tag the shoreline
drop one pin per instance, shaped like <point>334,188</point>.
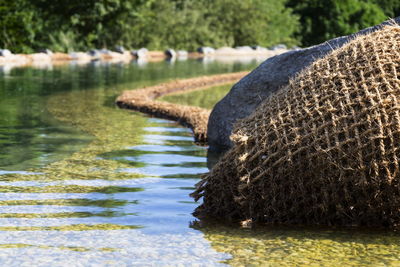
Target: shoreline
<point>57,58</point>
<point>196,118</point>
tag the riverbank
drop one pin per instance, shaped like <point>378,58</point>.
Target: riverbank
<point>122,56</point>
<point>79,209</point>
<point>196,118</point>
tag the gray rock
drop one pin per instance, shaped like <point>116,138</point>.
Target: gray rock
<point>206,50</point>
<point>278,46</point>
<point>120,49</point>
<point>170,53</point>
<point>271,75</point>
<point>140,54</point>
<point>5,53</point>
<point>94,53</point>
<point>257,47</point>
<point>104,51</point>
<point>260,49</point>
<point>46,51</point>
<point>80,56</point>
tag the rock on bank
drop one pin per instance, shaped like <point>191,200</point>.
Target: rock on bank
<point>322,151</point>
<point>270,76</point>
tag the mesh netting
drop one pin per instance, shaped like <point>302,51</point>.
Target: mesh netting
<point>324,150</point>
<point>144,100</point>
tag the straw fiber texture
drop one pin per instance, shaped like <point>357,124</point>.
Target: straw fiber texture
<point>324,150</point>
<point>196,118</point>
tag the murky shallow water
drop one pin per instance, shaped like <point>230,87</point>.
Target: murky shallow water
<point>83,183</point>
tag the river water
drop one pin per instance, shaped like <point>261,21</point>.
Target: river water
<point>83,183</point>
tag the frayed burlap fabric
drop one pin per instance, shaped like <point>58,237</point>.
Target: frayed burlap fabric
<point>324,150</point>
<point>196,118</point>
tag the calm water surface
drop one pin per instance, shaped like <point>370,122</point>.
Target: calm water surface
<point>83,183</point>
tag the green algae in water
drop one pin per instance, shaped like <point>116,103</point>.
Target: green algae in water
<point>93,112</point>
<point>71,227</point>
<point>293,246</point>
<point>77,214</point>
<point>72,248</point>
<point>106,133</point>
<point>111,128</point>
<point>271,247</point>
<point>30,137</point>
<point>69,189</point>
<point>100,129</point>
<point>205,98</point>
<point>104,203</point>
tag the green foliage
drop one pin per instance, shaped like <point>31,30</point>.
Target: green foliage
<point>64,41</point>
<point>322,20</point>
<point>67,25</point>
<point>248,22</point>
<point>391,8</point>
<point>18,25</point>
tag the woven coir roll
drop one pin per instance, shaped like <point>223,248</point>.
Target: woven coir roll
<point>324,150</point>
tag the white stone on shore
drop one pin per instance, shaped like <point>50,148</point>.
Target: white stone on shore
<point>80,57</point>
<point>206,50</point>
<point>245,49</point>
<point>94,53</point>
<point>40,57</point>
<point>120,49</point>
<point>5,53</point>
<point>140,53</point>
<point>170,53</point>
<point>279,47</point>
<point>46,51</point>
<point>182,54</point>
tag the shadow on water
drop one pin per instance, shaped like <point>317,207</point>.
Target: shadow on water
<point>84,182</point>
<point>205,99</point>
<point>31,136</point>
<point>296,246</point>
<point>78,175</point>
<point>290,246</point>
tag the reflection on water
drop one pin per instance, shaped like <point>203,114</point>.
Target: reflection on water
<point>201,98</point>
<point>83,183</point>
<point>140,221</point>
<point>31,136</point>
<point>78,175</point>
<point>291,246</point>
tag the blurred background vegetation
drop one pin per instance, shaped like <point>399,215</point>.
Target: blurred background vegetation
<point>70,25</point>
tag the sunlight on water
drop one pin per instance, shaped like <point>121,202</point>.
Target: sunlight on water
<point>83,183</point>
<point>91,192</point>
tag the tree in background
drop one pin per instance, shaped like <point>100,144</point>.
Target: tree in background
<point>213,23</point>
<point>251,22</point>
<point>67,25</point>
<point>70,25</point>
<point>391,8</point>
<point>19,24</point>
<point>322,20</point>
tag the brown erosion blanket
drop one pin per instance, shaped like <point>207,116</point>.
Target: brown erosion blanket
<point>324,150</point>
<point>196,118</point>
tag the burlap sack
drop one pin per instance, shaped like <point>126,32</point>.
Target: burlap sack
<point>324,150</point>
